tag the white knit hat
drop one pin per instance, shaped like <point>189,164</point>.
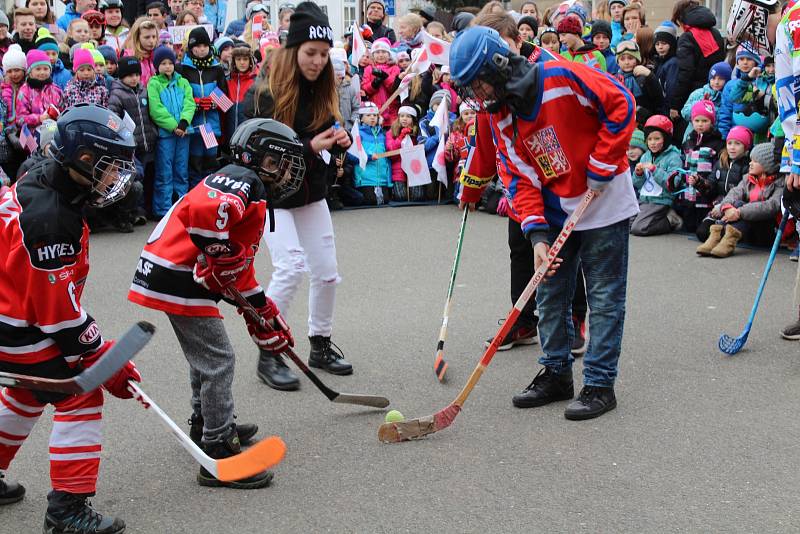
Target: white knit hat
<point>368,108</point>
<point>465,106</point>
<point>408,110</point>
<point>380,44</point>
<point>14,58</point>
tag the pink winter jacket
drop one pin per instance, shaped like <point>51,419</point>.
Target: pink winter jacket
<point>31,103</point>
<point>148,71</point>
<point>383,92</point>
<point>393,143</point>
<point>9,96</point>
<point>453,97</point>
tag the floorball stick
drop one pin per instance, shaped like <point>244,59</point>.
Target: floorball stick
<point>417,428</point>
<point>439,364</point>
<point>92,378</point>
<point>731,345</point>
<point>341,398</point>
<point>261,456</point>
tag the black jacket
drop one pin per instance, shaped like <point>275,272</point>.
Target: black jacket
<point>379,30</point>
<point>723,180</point>
<point>692,66</point>
<point>318,173</point>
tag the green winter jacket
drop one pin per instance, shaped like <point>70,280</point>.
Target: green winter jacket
<point>655,191</point>
<point>171,102</point>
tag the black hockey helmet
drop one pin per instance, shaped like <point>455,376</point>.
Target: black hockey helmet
<point>273,151</point>
<point>89,129</point>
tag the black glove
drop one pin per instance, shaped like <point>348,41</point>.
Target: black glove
<point>378,73</point>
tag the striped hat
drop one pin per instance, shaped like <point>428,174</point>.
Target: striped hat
<point>368,108</point>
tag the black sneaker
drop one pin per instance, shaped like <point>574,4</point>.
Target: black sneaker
<point>792,331</point>
<point>10,492</point>
<point>225,448</point>
<point>246,431</point>
<point>593,402</point>
<point>545,388</point>
<point>328,357</point>
<point>579,341</point>
<point>68,513</point>
<point>274,372</point>
<point>520,334</point>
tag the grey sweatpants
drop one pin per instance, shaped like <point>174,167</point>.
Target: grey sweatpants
<point>211,360</point>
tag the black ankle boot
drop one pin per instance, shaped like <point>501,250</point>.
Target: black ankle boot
<point>593,402</point>
<point>324,356</point>
<point>226,447</point>
<point>246,431</point>
<point>274,372</point>
<point>10,492</point>
<point>545,388</point>
<point>69,513</point>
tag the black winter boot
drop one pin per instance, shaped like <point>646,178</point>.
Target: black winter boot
<point>10,492</point>
<point>226,447</point>
<point>274,372</point>
<point>593,402</point>
<point>246,431</point>
<point>69,513</point>
<point>545,388</point>
<point>324,356</point>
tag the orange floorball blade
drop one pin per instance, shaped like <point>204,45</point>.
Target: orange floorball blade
<point>261,456</point>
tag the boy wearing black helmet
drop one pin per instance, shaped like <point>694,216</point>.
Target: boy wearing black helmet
<point>205,244</point>
<point>44,329</point>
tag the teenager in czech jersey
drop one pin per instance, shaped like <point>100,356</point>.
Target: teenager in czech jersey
<point>222,220</point>
<point>44,329</point>
<point>531,113</point>
<point>301,92</point>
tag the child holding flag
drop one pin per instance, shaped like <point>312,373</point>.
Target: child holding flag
<point>375,179</point>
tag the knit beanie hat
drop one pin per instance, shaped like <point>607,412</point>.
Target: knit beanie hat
<point>161,53</point>
<point>198,36</point>
<point>368,108</point>
<point>530,21</point>
<point>741,134</point>
<point>222,43</point>
<point>379,2</point>
<point>409,110</point>
<point>128,65</point>
<point>37,58</point>
<point>14,58</point>
<point>570,24</point>
<point>546,30</point>
<point>764,154</point>
<point>4,20</point>
<point>667,32</point>
<point>338,67</point>
<point>745,51</point>
<point>630,48</point>
<point>438,96</point>
<point>612,2</point>
<point>601,27</point>
<point>45,41</point>
<point>637,140</point>
<point>704,108</point>
<point>721,69</point>
<point>98,57</point>
<point>82,58</point>
<point>308,23</point>
<point>109,54</point>
<point>381,44</point>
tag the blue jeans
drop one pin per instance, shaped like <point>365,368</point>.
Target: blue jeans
<point>172,172</point>
<point>603,254</point>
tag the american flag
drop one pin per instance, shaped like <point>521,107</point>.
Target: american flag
<point>27,139</point>
<point>221,99</point>
<point>209,139</point>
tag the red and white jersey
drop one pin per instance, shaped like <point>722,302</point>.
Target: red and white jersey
<point>228,206</point>
<point>44,262</point>
<point>577,133</point>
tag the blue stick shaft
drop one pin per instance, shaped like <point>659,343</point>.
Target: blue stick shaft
<point>771,260</point>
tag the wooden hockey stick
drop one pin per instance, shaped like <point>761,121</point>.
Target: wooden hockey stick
<point>439,364</point>
<point>333,396</point>
<point>417,428</point>
<point>92,378</point>
<point>261,456</point>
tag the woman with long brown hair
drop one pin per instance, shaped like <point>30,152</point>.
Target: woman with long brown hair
<point>300,91</point>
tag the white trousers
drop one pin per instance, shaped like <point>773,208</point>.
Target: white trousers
<point>303,242</point>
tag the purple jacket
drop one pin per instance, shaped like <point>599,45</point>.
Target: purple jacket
<point>31,103</point>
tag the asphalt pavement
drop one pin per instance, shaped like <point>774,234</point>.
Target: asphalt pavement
<point>700,442</point>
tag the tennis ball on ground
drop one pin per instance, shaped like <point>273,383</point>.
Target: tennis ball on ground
<point>394,416</point>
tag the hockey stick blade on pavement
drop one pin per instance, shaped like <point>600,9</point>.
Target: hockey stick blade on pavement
<point>260,457</point>
<point>731,345</point>
<point>439,363</point>
<point>92,378</point>
<point>417,428</point>
<point>372,401</point>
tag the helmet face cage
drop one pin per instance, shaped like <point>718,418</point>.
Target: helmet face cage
<point>474,92</point>
<point>284,176</point>
<point>747,23</point>
<point>111,180</point>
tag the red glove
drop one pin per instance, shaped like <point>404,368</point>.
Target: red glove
<point>275,340</point>
<point>217,273</point>
<point>405,131</point>
<point>117,385</point>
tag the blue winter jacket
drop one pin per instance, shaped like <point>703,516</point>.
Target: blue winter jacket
<point>61,75</point>
<point>203,82</point>
<point>236,27</point>
<point>735,111</point>
<point>69,15</point>
<point>429,135</point>
<point>378,173</point>
<point>617,29</point>
<point>611,60</point>
<point>216,13</point>
<point>667,74</point>
<point>705,92</point>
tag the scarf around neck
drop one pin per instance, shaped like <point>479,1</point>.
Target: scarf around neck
<point>705,40</point>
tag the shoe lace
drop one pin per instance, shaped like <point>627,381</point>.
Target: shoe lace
<point>330,350</point>
<point>543,372</point>
<point>81,516</point>
<point>588,392</point>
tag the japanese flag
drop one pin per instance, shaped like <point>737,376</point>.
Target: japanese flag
<point>357,147</point>
<point>420,61</point>
<point>414,164</point>
<point>439,162</point>
<point>441,120</point>
<point>438,50</point>
<point>405,83</point>
<point>359,47</point>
